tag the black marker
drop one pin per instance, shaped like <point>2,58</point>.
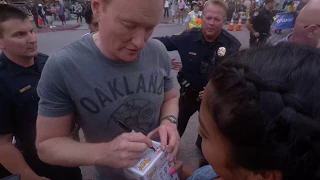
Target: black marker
<point>129,130</point>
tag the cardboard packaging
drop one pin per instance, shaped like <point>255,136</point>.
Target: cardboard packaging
<point>152,166</point>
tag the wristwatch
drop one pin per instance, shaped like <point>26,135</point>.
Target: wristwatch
<point>170,118</point>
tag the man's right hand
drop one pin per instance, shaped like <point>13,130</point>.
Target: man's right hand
<point>124,151</point>
<point>256,34</point>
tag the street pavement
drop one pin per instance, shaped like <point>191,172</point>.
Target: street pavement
<point>51,42</point>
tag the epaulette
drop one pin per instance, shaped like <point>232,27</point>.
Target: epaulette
<point>230,37</point>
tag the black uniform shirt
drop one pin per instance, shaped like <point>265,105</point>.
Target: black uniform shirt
<point>197,55</point>
<point>262,20</point>
<point>19,100</point>
<point>47,10</point>
<point>33,9</point>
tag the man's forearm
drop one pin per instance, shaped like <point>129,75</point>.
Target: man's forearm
<point>12,159</point>
<point>250,28</point>
<point>170,107</point>
<point>65,151</point>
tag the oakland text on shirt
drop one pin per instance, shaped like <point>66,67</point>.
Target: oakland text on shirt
<point>120,88</point>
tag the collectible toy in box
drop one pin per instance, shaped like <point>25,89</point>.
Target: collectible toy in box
<point>152,166</point>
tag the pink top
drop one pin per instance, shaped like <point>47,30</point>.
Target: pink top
<point>181,4</point>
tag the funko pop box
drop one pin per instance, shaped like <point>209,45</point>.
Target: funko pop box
<point>152,166</point>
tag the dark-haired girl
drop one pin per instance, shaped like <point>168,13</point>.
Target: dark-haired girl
<point>259,117</point>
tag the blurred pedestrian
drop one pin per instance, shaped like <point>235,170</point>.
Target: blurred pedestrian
<point>78,10</point>
<point>166,9</point>
<point>181,10</point>
<point>42,15</point>
<point>60,12</point>
<point>173,8</point>
<point>33,9</point>
<point>48,13</point>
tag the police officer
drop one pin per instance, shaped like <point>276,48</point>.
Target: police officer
<point>193,19</point>
<point>200,51</point>
<point>20,70</point>
<point>260,23</point>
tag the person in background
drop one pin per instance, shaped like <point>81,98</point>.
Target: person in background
<point>78,10</point>
<point>260,23</point>
<point>60,12</point>
<point>181,10</point>
<point>289,8</point>
<point>193,19</point>
<point>20,70</point>
<point>198,49</point>
<point>306,29</point>
<point>48,13</point>
<point>173,8</point>
<point>260,116</point>
<point>41,13</point>
<point>166,8</point>
<point>33,9</point>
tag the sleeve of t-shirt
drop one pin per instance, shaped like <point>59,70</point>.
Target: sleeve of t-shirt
<point>188,18</point>
<point>55,100</point>
<point>164,57</point>
<point>168,80</point>
<point>6,122</point>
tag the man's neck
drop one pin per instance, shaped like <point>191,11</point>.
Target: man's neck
<point>211,38</point>
<point>21,61</point>
<point>97,41</point>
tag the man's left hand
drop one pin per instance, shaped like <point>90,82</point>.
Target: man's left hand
<point>169,138</point>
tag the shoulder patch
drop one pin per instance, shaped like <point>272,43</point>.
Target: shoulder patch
<point>256,14</point>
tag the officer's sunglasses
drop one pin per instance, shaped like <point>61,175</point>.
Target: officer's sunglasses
<point>311,25</point>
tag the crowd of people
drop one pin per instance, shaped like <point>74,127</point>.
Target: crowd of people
<point>259,113</point>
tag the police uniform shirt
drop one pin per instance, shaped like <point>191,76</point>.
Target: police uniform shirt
<point>197,55</point>
<point>19,100</point>
<point>262,20</point>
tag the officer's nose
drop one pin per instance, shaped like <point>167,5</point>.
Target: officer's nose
<point>139,39</point>
<point>32,37</point>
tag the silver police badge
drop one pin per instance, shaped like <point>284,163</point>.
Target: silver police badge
<point>221,51</point>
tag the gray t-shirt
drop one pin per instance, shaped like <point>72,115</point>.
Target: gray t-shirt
<point>79,79</point>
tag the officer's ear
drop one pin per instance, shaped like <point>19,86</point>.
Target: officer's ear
<point>311,31</point>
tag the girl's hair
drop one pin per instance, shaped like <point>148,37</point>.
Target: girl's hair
<point>266,102</point>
